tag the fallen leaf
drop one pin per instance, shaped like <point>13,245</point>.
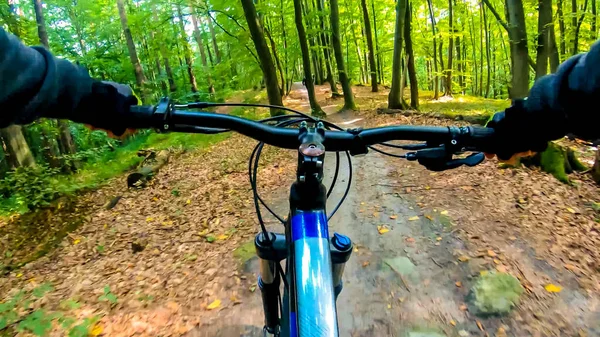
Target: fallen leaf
<point>362,203</point>
<point>234,299</point>
<point>19,275</point>
<point>480,326</point>
<point>483,273</point>
<point>366,263</point>
<point>491,253</point>
<point>458,284</point>
<point>501,268</point>
<point>393,217</point>
<point>429,217</point>
<point>375,214</point>
<point>173,306</point>
<point>149,219</point>
<point>382,229</point>
<point>501,332</point>
<point>389,306</point>
<point>444,212</point>
<point>427,188</point>
<point>96,330</point>
<point>552,288</point>
<point>214,305</point>
<point>571,210</point>
<point>76,241</point>
<point>463,307</point>
<point>439,238</point>
<point>513,238</point>
<point>411,240</point>
<point>453,323</point>
<point>155,199</point>
<point>252,289</point>
<point>413,218</point>
<point>222,237</point>
<point>188,201</point>
<point>569,267</point>
<point>463,258</point>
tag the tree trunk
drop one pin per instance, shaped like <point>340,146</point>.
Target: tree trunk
<point>481,38</point>
<point>554,56</point>
<point>487,51</point>
<point>213,35</point>
<point>519,54</point>
<point>543,39</point>
<point>448,91</point>
<point>410,64</point>
<point>577,20</point>
<point>474,56</point>
<point>310,86</point>
<point>561,29</point>
<point>372,63</point>
<point>459,62</point>
<point>326,51</point>
<point>596,168</point>
<point>264,56</point>
<point>16,149</point>
<point>339,57</point>
<point>379,61</point>
<point>65,139</point>
<point>395,96</point>
<point>187,55</point>
<point>594,21</point>
<point>275,55</point>
<point>363,75</point>
<point>435,69</point>
<point>41,25</point>
<point>199,42</point>
<point>441,56</point>
<point>135,61</point>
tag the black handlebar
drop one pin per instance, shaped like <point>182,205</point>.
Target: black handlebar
<point>356,141</point>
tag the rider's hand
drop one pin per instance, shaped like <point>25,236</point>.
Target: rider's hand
<point>106,107</point>
<point>517,133</point>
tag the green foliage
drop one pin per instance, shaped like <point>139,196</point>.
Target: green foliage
<point>38,322</point>
<point>16,314</point>
<point>28,188</point>
<point>108,296</point>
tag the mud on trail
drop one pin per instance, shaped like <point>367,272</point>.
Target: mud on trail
<point>422,239</point>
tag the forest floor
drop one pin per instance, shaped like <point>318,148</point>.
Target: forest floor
<point>176,259</point>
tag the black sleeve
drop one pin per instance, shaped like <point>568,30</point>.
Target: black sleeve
<point>570,96</point>
<point>34,84</point>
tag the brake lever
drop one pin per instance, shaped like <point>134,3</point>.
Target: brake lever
<point>438,159</point>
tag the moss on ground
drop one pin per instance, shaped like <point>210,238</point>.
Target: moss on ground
<point>496,293</point>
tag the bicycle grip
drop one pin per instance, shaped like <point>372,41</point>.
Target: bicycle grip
<point>481,137</point>
<point>142,117</point>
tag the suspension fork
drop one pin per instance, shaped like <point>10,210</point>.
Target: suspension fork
<point>270,252</point>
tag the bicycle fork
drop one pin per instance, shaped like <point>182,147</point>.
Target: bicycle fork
<point>271,252</point>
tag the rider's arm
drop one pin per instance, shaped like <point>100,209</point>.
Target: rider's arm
<point>570,96</point>
<point>35,84</point>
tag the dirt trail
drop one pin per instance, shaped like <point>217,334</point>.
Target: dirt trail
<point>196,223</point>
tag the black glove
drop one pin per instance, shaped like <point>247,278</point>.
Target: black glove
<point>106,107</point>
<point>519,130</point>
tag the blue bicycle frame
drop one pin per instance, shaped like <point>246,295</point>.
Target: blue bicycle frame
<point>314,261</point>
<point>312,309</point>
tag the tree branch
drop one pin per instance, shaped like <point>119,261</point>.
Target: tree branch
<point>227,15</point>
<point>531,63</point>
<point>233,36</point>
<point>580,20</point>
<point>496,15</point>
